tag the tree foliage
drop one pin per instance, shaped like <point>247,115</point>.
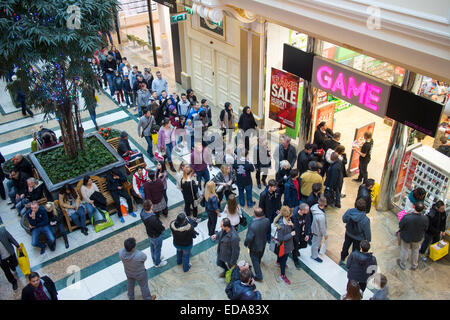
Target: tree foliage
<point>51,59</point>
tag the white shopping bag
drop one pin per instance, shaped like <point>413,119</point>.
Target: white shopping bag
<point>219,220</point>
<point>323,247</point>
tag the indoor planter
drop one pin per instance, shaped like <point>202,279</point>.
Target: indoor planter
<point>51,164</point>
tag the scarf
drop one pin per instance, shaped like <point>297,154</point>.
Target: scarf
<point>295,182</point>
<point>41,292</point>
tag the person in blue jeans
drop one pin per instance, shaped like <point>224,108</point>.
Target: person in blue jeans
<point>70,201</point>
<point>183,233</point>
<point>38,221</point>
<point>109,67</point>
<point>154,229</point>
<point>200,160</point>
<point>244,182</point>
<point>166,140</point>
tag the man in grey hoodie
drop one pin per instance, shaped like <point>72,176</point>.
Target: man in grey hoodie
<point>145,123</point>
<point>143,98</point>
<point>133,263</point>
<point>357,228</point>
<point>319,227</point>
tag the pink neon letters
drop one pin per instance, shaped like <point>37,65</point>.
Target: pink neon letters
<point>367,93</point>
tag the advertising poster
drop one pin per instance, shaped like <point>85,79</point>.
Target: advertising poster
<point>325,112</point>
<point>283,97</point>
<point>293,133</point>
<point>404,168</point>
<point>358,142</point>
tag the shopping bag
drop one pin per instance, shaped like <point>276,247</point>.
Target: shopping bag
<point>228,274</point>
<point>22,259</point>
<point>438,250</point>
<point>274,244</point>
<point>100,226</point>
<point>375,192</point>
<point>323,247</point>
<point>281,249</point>
<point>97,217</point>
<point>219,220</point>
<point>123,206</point>
<point>155,138</point>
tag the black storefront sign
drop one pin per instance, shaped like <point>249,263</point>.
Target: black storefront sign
<point>405,107</point>
<point>168,3</point>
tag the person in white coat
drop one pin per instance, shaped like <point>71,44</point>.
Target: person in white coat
<point>319,227</point>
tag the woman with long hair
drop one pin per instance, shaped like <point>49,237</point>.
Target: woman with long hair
<point>285,233</point>
<point>70,201</point>
<point>189,188</point>
<point>166,140</point>
<point>211,206</point>
<point>320,135</point>
<point>226,121</point>
<point>224,181</point>
<point>154,191</point>
<point>180,173</point>
<point>233,211</point>
<point>353,291</point>
<point>56,220</point>
<point>246,122</point>
<point>87,189</point>
<point>364,157</point>
<point>161,173</point>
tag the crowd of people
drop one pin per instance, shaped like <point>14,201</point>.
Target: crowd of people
<point>290,214</point>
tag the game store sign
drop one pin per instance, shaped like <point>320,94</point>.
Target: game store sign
<point>363,91</point>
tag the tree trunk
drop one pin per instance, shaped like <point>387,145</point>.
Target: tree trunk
<point>68,131</point>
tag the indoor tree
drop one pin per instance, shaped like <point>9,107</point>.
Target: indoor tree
<point>47,45</point>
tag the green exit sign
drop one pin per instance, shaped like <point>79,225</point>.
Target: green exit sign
<point>178,17</point>
<point>188,10</point>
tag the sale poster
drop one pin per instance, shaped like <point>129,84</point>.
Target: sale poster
<point>404,168</point>
<point>358,142</point>
<point>325,113</point>
<point>283,97</point>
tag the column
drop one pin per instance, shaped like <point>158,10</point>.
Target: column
<point>166,43</point>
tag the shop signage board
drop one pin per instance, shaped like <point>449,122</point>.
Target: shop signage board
<point>168,3</point>
<point>359,141</point>
<point>283,97</point>
<point>325,112</point>
<point>293,133</point>
<point>178,17</point>
<point>364,91</point>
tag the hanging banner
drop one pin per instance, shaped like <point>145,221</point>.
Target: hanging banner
<point>358,142</point>
<point>293,133</point>
<point>325,112</point>
<point>283,97</point>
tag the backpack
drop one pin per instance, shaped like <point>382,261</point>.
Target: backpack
<point>222,115</point>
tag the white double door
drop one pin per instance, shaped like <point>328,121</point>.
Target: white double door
<point>215,76</point>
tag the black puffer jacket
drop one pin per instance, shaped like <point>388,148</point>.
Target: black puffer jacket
<point>366,194</point>
<point>436,221</point>
<point>359,265</point>
<point>183,235</point>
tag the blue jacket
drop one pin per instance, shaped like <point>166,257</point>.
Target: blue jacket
<point>357,225</point>
<point>118,82</point>
<point>244,292</point>
<point>192,112</point>
<point>212,204</point>
<point>291,196</point>
<point>41,219</point>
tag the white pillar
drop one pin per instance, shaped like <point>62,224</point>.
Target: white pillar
<point>166,35</point>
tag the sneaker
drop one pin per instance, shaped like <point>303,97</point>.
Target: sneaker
<point>42,250</point>
<point>122,220</point>
<point>317,259</point>
<point>14,285</point>
<point>133,214</point>
<point>153,297</point>
<point>400,264</point>
<point>161,264</point>
<point>424,258</point>
<point>285,279</point>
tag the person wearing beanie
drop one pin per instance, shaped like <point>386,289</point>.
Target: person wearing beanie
<point>183,233</point>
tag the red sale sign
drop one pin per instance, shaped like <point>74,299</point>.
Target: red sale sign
<point>283,97</point>
<point>326,113</point>
<point>358,142</point>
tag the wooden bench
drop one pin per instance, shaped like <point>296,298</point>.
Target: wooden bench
<point>70,225</point>
<point>132,165</point>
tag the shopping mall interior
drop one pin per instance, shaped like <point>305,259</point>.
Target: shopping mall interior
<point>234,63</point>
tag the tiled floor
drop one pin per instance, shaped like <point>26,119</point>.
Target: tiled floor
<point>101,273</point>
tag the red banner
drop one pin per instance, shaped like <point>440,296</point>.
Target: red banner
<point>283,97</point>
<point>325,113</point>
<point>359,141</point>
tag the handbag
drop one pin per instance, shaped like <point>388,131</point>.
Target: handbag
<point>142,133</point>
<point>196,201</point>
<point>99,199</point>
<point>22,259</point>
<point>228,274</point>
<point>108,223</point>
<point>274,243</point>
<point>97,217</point>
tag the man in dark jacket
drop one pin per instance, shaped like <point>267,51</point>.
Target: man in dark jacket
<point>244,288</point>
<point>333,182</point>
<point>19,183</point>
<point>2,177</point>
<point>39,223</point>
<point>244,181</point>
<point>21,164</point>
<point>34,192</point>
<point>315,194</point>
<point>285,151</point>
<point>109,67</point>
<point>304,157</point>
<point>412,230</point>
<point>301,218</point>
<point>292,190</point>
<point>333,142</point>
<point>39,288</point>
<point>8,259</point>
<point>124,149</point>
<point>154,229</point>
<point>365,192</point>
<point>236,275</point>
<point>183,233</point>
<point>114,182</point>
<point>437,220</point>
<point>357,228</point>
<point>361,265</point>
<point>255,240</point>
<point>270,202</point>
<point>228,247</point>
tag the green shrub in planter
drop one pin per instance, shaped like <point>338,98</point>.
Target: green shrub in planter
<point>59,168</point>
